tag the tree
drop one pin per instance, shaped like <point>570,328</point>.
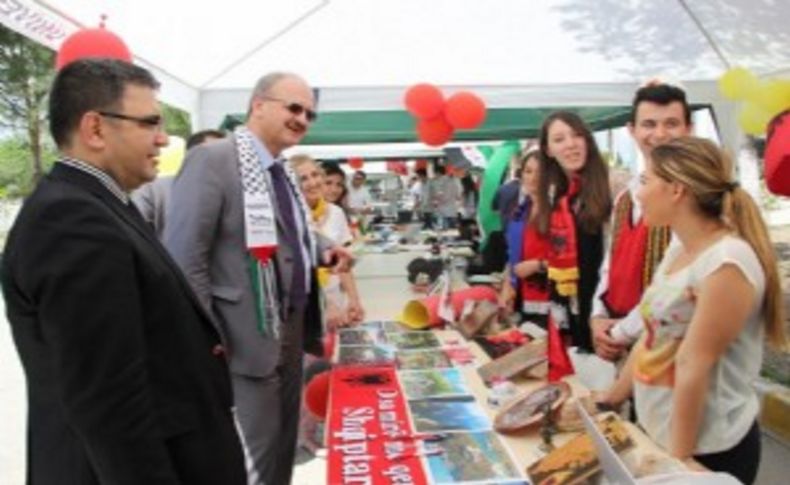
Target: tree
<point>16,167</point>
<point>176,121</point>
<point>26,72</point>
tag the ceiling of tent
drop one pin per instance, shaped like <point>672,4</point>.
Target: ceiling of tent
<point>208,55</point>
<point>458,42</point>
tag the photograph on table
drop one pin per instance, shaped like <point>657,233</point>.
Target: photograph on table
<point>448,414</point>
<point>514,363</point>
<point>422,359</point>
<point>361,336</point>
<point>460,356</point>
<point>477,457</point>
<point>428,383</point>
<point>414,340</point>
<point>365,355</point>
<point>385,325</point>
<point>577,460</point>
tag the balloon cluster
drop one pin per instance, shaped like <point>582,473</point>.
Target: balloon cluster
<point>438,119</point>
<point>762,99</point>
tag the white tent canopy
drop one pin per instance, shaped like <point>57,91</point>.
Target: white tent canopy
<point>363,53</point>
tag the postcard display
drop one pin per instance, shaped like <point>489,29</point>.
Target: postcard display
<point>401,412</point>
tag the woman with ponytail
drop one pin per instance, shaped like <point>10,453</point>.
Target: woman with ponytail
<point>714,298</point>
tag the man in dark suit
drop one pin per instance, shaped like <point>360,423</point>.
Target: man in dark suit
<point>232,204</point>
<point>126,379</point>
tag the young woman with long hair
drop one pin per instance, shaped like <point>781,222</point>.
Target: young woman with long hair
<point>713,299</point>
<point>525,287</point>
<point>574,203</point>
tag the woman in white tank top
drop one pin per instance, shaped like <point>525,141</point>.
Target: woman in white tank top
<point>714,298</point>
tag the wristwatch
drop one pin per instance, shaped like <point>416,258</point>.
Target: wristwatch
<point>542,266</point>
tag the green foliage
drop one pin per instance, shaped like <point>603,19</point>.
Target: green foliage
<point>176,121</point>
<point>16,166</point>
<point>26,72</point>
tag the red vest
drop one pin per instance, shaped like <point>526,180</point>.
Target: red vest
<point>626,264</point>
<point>636,252</point>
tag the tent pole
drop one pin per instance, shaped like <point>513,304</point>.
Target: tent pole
<point>267,41</point>
<point>705,33</point>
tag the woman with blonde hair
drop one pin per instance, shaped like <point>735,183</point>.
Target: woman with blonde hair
<point>341,296</point>
<point>713,299</point>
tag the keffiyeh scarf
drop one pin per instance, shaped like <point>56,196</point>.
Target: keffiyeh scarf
<point>260,232</point>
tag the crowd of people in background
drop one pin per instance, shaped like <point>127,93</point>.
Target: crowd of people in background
<point>219,281</point>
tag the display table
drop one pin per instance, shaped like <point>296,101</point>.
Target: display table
<point>372,458</point>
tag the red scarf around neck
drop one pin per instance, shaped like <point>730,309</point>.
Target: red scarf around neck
<point>563,259</point>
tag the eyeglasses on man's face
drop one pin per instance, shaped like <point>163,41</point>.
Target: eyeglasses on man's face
<point>295,108</point>
<point>151,121</point>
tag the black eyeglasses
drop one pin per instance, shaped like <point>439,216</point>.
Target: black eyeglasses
<point>295,108</point>
<point>153,121</point>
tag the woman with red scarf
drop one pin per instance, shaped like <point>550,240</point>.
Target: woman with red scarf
<point>574,203</point>
<point>525,286</point>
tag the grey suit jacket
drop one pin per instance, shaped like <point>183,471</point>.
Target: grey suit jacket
<point>205,235</point>
<point>152,199</point>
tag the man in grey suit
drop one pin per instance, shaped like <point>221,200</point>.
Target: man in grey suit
<point>265,301</point>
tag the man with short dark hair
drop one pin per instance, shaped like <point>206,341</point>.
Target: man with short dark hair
<point>237,227</point>
<point>203,136</point>
<point>125,382</point>
<point>659,114</point>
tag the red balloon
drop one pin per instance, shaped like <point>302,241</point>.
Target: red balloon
<point>92,43</point>
<point>434,132</point>
<point>397,167</point>
<point>356,163</point>
<point>316,395</point>
<point>465,110</point>
<point>425,101</point>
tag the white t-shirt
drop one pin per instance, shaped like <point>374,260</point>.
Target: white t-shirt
<point>415,191</point>
<point>667,308</point>
<point>334,225</point>
<point>358,198</point>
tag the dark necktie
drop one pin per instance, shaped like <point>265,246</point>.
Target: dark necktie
<point>290,232</point>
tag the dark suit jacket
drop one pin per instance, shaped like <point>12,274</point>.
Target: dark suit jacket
<point>123,385</point>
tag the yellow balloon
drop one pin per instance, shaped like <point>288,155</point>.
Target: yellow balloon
<point>737,83</point>
<point>772,95</point>
<point>753,119</point>
<point>171,157</point>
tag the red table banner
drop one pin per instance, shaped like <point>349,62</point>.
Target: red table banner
<point>369,436</point>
